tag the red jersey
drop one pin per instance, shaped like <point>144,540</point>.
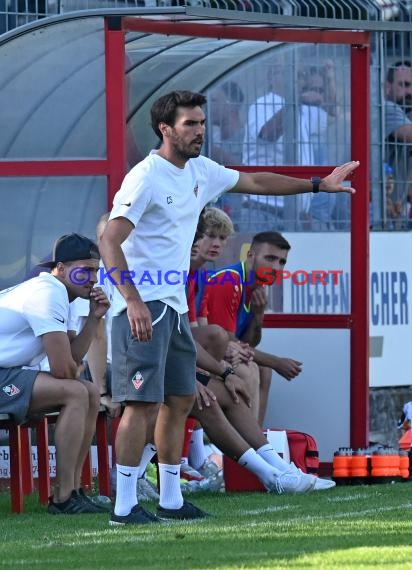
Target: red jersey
<point>222,301</point>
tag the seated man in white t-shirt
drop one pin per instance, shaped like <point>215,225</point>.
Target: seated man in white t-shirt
<point>35,322</point>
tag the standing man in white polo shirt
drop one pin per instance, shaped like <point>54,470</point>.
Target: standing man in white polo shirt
<point>146,248</point>
<point>34,323</point>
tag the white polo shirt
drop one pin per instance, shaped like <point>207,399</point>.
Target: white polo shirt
<point>163,202</point>
<point>27,311</point>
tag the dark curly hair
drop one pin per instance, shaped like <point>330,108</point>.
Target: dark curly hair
<point>164,110</point>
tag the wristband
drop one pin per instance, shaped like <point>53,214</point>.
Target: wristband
<point>316,180</point>
<point>225,374</point>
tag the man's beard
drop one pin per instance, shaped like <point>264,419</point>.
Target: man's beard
<point>185,151</point>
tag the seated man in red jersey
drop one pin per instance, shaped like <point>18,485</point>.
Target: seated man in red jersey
<point>235,299</point>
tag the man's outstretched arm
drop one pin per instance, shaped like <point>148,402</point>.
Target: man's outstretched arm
<point>268,183</point>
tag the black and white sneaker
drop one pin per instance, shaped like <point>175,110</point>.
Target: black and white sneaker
<point>89,501</point>
<point>186,512</point>
<point>75,505</point>
<point>138,515</point>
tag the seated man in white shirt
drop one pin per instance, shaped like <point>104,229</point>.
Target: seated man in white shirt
<point>35,323</point>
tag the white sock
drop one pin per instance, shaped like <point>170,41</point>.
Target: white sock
<point>126,494</point>
<point>149,451</point>
<point>270,456</point>
<point>197,453</point>
<point>184,461</point>
<point>169,480</point>
<point>253,462</point>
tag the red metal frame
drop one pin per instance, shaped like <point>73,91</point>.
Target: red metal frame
<point>115,109</point>
<point>209,29</point>
<point>302,321</point>
<point>358,320</point>
<point>114,167</point>
<point>359,345</point>
<point>54,168</point>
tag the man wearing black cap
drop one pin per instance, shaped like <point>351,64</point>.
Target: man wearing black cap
<point>34,323</point>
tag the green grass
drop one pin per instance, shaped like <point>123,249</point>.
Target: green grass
<point>347,527</point>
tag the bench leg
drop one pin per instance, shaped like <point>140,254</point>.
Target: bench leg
<point>115,425</point>
<point>43,461</point>
<point>27,465</point>
<point>86,478</point>
<point>16,469</point>
<point>102,442</point>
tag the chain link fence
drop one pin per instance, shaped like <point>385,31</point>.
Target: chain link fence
<point>15,13</point>
<point>308,86</point>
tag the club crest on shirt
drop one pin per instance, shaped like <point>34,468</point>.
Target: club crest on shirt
<point>196,189</point>
<point>137,380</point>
<point>11,390</point>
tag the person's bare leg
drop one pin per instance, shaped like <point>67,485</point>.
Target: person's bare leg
<point>239,416</point>
<point>90,428</point>
<point>132,432</point>
<point>213,338</point>
<point>136,423</point>
<point>169,437</point>
<point>259,457</point>
<point>250,374</point>
<point>170,428</point>
<point>71,398</point>
<point>265,375</point>
<point>220,431</point>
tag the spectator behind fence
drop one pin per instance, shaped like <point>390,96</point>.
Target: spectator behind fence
<point>393,207</point>
<point>279,133</point>
<point>35,323</point>
<point>225,138</point>
<point>398,129</point>
<point>151,227</point>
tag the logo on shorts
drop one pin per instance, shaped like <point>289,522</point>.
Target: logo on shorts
<point>196,189</point>
<point>11,390</point>
<point>137,380</point>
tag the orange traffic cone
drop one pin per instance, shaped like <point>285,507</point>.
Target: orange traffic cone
<point>405,441</point>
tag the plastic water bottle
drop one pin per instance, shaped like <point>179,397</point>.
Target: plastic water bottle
<point>341,471</point>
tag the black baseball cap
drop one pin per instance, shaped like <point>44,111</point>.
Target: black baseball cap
<point>72,247</point>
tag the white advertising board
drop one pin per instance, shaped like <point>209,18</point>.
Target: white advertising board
<point>5,461</point>
<point>318,400</point>
<point>329,293</point>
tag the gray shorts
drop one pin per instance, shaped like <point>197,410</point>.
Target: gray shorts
<point>16,386</point>
<point>149,371</point>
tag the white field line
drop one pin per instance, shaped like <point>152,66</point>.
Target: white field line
<point>353,497</point>
<point>331,516</point>
<point>268,510</point>
<point>354,513</point>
